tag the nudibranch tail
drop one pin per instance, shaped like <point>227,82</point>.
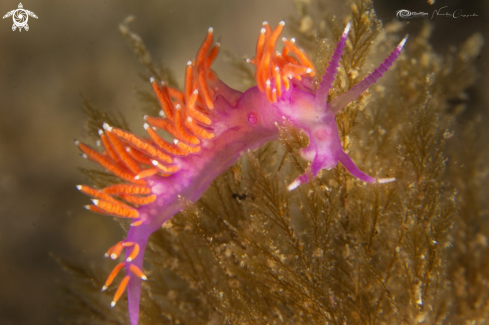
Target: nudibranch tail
<point>137,161</point>
<point>211,125</point>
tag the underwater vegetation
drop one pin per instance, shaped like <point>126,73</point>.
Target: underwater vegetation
<point>335,250</point>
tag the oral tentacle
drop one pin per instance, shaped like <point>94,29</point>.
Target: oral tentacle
<point>353,169</point>
<point>327,156</point>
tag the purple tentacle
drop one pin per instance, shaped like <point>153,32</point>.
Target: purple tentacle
<point>353,169</point>
<point>350,166</point>
<point>344,99</point>
<point>325,85</point>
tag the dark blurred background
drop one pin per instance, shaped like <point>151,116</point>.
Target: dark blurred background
<point>75,48</point>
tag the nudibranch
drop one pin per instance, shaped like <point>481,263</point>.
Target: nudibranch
<point>212,125</point>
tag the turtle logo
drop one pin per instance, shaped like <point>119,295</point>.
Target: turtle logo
<point>20,16</point>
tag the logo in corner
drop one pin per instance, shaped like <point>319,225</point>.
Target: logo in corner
<point>406,14</point>
<point>20,17</point>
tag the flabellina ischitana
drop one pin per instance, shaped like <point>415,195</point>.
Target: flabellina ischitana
<point>212,126</point>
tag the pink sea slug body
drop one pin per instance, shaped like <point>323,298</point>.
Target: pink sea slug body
<point>212,125</point>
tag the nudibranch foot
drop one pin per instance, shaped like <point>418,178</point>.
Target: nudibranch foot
<point>211,125</point>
